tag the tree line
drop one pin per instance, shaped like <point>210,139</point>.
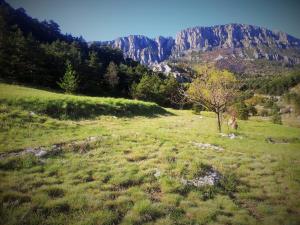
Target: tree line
<point>277,85</point>
<point>38,54</point>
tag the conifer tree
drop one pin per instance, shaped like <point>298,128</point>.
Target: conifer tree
<point>69,82</point>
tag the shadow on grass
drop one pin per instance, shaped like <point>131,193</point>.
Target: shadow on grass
<point>76,109</point>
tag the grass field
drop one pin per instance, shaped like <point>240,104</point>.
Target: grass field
<point>115,180</point>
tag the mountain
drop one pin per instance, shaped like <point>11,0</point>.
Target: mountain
<point>227,45</point>
<point>143,49</point>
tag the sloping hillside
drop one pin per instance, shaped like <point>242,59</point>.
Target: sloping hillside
<point>141,169</point>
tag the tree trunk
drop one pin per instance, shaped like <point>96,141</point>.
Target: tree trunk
<point>219,122</point>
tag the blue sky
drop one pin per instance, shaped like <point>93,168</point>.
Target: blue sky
<point>109,19</point>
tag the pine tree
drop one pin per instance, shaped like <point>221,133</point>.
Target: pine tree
<point>111,75</point>
<point>69,83</point>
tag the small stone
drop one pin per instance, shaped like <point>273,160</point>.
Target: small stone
<point>157,173</point>
<point>41,153</point>
<point>230,136</point>
<point>208,146</point>
<point>210,179</point>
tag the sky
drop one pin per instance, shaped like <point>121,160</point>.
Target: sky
<point>100,20</point>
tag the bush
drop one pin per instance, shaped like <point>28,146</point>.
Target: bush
<point>294,99</point>
<point>270,102</point>
<point>155,89</point>
<point>276,118</point>
<point>197,109</point>
<point>264,113</point>
<point>241,110</point>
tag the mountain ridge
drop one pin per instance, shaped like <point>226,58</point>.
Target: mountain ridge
<point>248,42</point>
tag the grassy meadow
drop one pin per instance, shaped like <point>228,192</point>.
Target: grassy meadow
<point>132,173</point>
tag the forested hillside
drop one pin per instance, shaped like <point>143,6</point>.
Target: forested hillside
<point>36,52</point>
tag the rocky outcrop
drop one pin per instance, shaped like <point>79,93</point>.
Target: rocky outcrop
<point>233,36</point>
<point>244,41</point>
<point>144,49</point>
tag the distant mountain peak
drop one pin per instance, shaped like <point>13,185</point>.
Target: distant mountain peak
<point>248,42</point>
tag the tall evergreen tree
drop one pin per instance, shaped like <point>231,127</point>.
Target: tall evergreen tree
<point>69,83</point>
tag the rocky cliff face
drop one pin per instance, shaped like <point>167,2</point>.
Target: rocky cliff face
<point>233,36</point>
<point>244,42</point>
<point>144,49</point>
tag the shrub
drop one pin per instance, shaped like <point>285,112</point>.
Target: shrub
<point>264,113</point>
<point>276,118</point>
<point>240,109</point>
<point>294,99</point>
<point>270,102</point>
<point>155,89</point>
<point>198,108</point>
<point>252,110</point>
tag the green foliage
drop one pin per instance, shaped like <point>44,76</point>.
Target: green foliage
<point>55,192</point>
<point>270,102</point>
<point>197,108</point>
<point>15,198</point>
<point>35,53</point>
<point>213,89</point>
<point>294,99</point>
<point>16,163</point>
<point>142,212</point>
<point>276,118</point>
<point>148,89</point>
<point>264,113</point>
<point>242,111</point>
<point>273,85</point>
<point>155,89</point>
<point>111,75</point>
<point>200,169</point>
<point>73,107</point>
<point>69,83</point>
<point>252,110</point>
<point>229,183</point>
<point>116,181</point>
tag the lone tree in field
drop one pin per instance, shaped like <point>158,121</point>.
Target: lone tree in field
<point>69,82</point>
<point>213,89</point>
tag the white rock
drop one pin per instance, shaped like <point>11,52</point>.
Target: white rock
<point>208,146</point>
<point>157,173</point>
<point>210,179</point>
<point>40,153</point>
